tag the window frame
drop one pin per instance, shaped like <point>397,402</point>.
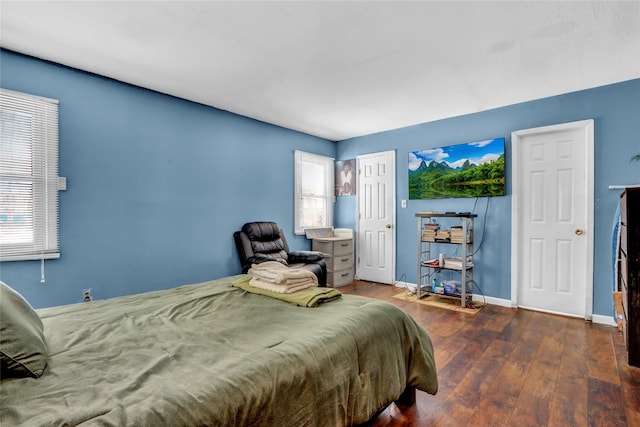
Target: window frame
<point>328,196</point>
<point>40,173</point>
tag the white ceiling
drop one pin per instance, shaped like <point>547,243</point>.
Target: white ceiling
<point>338,69</point>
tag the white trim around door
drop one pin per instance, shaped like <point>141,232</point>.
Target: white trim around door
<point>526,145</point>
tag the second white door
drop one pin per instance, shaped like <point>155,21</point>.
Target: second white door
<point>375,250</point>
<point>552,224</point>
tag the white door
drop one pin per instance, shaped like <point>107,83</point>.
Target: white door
<point>376,236</point>
<point>552,219</point>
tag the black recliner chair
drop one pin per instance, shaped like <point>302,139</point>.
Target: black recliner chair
<point>264,241</point>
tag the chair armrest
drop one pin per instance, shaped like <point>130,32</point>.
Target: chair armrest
<point>305,256</point>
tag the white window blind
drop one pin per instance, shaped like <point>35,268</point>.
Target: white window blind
<point>314,197</point>
<point>28,177</point>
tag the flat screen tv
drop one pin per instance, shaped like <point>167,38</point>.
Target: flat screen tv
<point>474,169</point>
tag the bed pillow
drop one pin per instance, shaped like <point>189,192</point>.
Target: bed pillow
<point>23,351</point>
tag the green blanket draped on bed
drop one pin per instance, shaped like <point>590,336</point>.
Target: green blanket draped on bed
<point>211,354</point>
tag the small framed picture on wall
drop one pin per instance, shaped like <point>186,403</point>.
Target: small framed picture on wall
<point>345,178</point>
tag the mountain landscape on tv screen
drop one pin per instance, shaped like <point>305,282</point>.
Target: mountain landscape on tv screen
<point>464,170</point>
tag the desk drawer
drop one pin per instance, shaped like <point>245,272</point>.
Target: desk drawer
<point>334,247</point>
<point>340,262</point>
<point>336,279</point>
<point>344,247</point>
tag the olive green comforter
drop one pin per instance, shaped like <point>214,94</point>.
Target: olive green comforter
<point>212,354</point>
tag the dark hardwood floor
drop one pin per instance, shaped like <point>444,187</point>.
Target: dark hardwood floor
<point>507,367</point>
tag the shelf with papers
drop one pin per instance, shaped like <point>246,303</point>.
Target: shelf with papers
<point>445,229</point>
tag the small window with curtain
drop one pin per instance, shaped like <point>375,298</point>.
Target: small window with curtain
<point>314,195</point>
<point>28,177</point>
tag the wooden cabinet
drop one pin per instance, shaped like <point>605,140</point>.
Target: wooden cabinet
<point>338,254</point>
<point>629,271</point>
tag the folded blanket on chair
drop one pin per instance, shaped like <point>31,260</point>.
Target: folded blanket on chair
<point>275,272</point>
<point>310,297</point>
<point>256,282</point>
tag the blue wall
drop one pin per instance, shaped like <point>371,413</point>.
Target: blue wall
<point>156,185</point>
<point>616,112</point>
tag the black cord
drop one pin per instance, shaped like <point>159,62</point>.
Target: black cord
<point>408,290</point>
<point>484,225</point>
<point>401,276</point>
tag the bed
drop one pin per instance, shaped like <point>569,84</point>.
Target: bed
<point>214,354</point>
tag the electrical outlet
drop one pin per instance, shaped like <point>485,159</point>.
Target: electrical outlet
<point>404,203</point>
<point>86,295</point>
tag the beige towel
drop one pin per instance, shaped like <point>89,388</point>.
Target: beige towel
<point>277,273</point>
<point>269,265</point>
<point>281,289</point>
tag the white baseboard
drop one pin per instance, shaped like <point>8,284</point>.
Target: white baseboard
<point>596,318</point>
<point>604,320</point>
<point>493,300</point>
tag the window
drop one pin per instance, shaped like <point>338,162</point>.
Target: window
<point>314,197</point>
<point>28,177</point>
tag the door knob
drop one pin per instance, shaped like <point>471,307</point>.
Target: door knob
<point>388,225</point>
<point>579,231</point>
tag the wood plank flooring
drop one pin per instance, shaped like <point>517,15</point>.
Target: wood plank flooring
<point>506,367</point>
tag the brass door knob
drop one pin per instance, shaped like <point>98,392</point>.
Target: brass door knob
<point>579,231</point>
<point>388,225</point>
